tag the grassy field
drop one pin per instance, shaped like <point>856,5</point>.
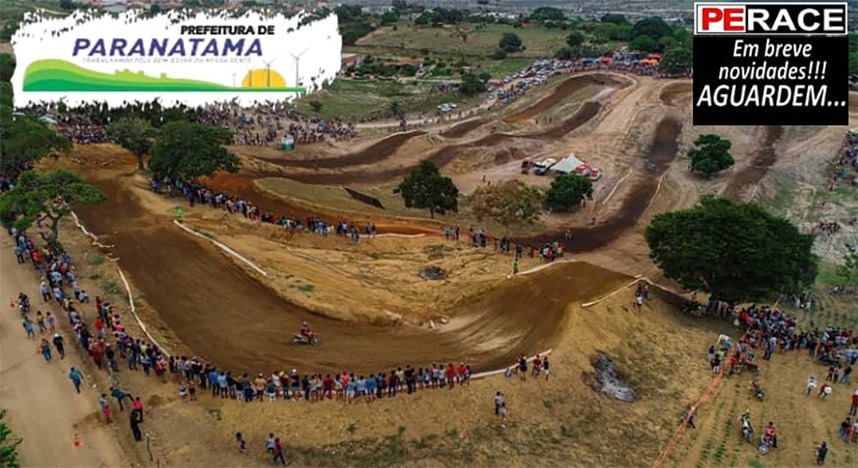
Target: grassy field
<point>539,42</point>
<point>350,99</point>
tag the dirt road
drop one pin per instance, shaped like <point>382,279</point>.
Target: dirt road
<point>42,405</point>
<point>227,316</point>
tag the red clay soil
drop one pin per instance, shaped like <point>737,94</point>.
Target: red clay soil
<point>461,129</point>
<point>378,151</point>
<point>658,158</point>
<point>764,157</point>
<point>226,316</point>
<point>566,89</point>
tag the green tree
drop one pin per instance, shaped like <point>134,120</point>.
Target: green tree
<point>498,54</point>
<point>389,17</point>
<point>25,140</point>
<point>653,27</point>
<point>7,67</point>
<point>677,59</point>
<point>710,154</point>
<point>135,135</point>
<point>567,191</point>
<point>6,102</point>
<point>315,105</point>
<point>53,194</point>
<point>67,5</point>
<point>847,273</point>
<point>426,188</point>
<point>547,14</point>
<point>734,251</point>
<point>8,444</point>
<point>613,18</point>
<point>425,18</point>
<point>509,204</point>
<point>471,85</point>
<point>188,150</point>
<point>644,44</point>
<point>510,42</point>
<point>574,39</point>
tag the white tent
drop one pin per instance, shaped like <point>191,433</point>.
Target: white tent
<point>567,165</point>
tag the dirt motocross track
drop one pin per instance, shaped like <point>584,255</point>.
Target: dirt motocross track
<point>223,314</point>
<point>444,156</point>
<point>568,88</point>
<point>661,153</point>
<point>378,151</point>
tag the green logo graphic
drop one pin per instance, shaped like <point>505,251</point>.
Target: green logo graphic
<point>62,76</point>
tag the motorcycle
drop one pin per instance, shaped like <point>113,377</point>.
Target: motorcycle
<point>766,443</point>
<point>747,430</point>
<point>24,306</point>
<point>312,339</point>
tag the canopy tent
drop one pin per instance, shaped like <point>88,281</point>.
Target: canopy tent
<point>568,164</point>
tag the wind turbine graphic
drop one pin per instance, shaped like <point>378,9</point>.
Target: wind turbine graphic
<point>250,77</point>
<point>298,62</point>
<point>268,71</point>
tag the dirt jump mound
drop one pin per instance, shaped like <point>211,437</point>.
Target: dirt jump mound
<point>378,151</point>
<point>676,93</point>
<point>461,129</point>
<point>566,89</point>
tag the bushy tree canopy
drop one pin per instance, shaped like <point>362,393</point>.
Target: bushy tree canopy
<point>710,154</point>
<point>734,251</point>
<point>567,192</point>
<point>135,135</point>
<point>188,151</point>
<point>510,42</point>
<point>426,188</point>
<point>53,194</point>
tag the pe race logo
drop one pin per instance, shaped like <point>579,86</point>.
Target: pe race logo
<point>771,63</point>
<point>185,57</point>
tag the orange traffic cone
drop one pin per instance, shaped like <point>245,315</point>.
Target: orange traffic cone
<point>77,442</point>
<point>12,304</point>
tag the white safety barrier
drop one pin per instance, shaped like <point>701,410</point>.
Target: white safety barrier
<point>225,248</point>
<point>616,186</point>
<point>137,317</point>
<point>95,241</point>
<point>483,375</point>
<point>125,283</point>
<point>657,189</point>
<point>637,280</point>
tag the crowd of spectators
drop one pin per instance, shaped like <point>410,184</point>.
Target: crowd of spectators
<point>259,125</point>
<point>846,165</point>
